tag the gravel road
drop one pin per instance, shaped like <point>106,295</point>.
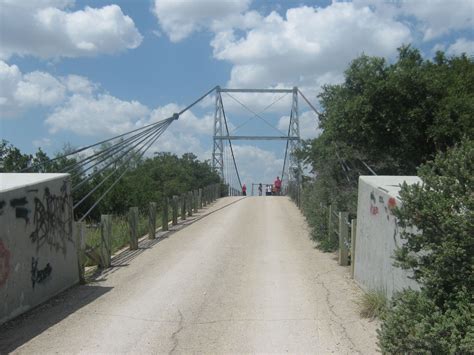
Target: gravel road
<point>245,278</point>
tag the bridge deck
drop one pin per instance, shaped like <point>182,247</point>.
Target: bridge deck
<point>243,279</point>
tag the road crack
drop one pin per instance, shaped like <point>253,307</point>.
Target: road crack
<point>337,319</point>
<point>174,336</point>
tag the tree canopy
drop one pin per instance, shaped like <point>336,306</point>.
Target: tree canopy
<point>148,179</point>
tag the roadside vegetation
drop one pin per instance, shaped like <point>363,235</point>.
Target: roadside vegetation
<point>148,180</point>
<point>373,304</point>
<point>439,319</point>
<point>410,117</point>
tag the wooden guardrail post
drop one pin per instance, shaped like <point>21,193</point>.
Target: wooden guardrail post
<point>133,227</point>
<point>80,233</point>
<point>165,219</point>
<point>175,210</point>
<point>183,206</point>
<point>152,220</point>
<point>190,203</point>
<point>204,199</point>
<point>105,241</point>
<point>330,227</point>
<point>353,244</point>
<point>343,237</point>
<point>195,200</point>
<point>200,198</point>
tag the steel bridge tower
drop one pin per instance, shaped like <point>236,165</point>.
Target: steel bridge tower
<point>292,167</point>
<point>218,150</point>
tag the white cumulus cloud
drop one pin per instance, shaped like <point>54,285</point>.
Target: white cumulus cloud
<point>306,44</point>
<point>308,124</point>
<point>256,164</point>
<point>49,29</point>
<point>39,88</point>
<point>462,45</point>
<point>438,17</point>
<point>102,114</point>
<point>180,18</point>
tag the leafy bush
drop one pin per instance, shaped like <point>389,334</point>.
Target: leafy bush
<point>438,221</point>
<point>414,325</point>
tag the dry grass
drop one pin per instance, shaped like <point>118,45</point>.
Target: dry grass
<point>373,304</point>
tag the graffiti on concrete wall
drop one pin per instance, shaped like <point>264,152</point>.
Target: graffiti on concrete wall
<point>52,219</point>
<point>21,211</point>
<point>4,263</point>
<point>38,276</point>
<point>374,210</point>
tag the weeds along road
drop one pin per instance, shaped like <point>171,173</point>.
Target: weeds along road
<point>245,278</point>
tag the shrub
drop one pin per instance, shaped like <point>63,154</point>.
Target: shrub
<point>415,324</point>
<point>438,222</point>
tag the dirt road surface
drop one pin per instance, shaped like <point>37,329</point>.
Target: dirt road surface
<point>245,278</point>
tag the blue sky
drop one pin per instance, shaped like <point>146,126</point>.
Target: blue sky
<point>80,71</point>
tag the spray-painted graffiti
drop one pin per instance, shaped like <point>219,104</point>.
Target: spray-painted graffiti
<point>374,210</point>
<point>20,210</point>
<point>52,220</point>
<point>4,263</point>
<point>392,203</point>
<point>39,276</point>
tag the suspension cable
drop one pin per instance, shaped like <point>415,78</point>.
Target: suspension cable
<point>150,141</point>
<point>230,143</point>
<point>266,108</point>
<point>106,178</point>
<point>309,103</point>
<point>95,173</point>
<point>106,151</point>
<point>118,179</point>
<point>254,113</point>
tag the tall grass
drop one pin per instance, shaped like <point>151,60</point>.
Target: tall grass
<point>373,304</point>
<point>120,232</point>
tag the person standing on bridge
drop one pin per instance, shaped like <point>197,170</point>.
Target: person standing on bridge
<point>277,185</point>
<point>244,190</point>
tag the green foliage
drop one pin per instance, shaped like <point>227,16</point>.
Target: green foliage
<point>416,325</point>
<point>373,304</point>
<point>438,232</point>
<point>146,180</point>
<point>391,117</point>
<point>440,250</point>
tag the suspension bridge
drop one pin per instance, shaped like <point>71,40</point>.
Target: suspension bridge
<point>240,275</point>
<point>123,151</point>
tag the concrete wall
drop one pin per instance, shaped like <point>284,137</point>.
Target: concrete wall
<point>38,257</point>
<point>378,234</point>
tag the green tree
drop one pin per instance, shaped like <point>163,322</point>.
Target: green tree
<point>11,158</point>
<point>387,117</point>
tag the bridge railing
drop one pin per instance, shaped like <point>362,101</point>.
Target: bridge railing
<point>342,229</point>
<point>97,243</point>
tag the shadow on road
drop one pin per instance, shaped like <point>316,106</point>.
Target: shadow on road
<point>20,330</point>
